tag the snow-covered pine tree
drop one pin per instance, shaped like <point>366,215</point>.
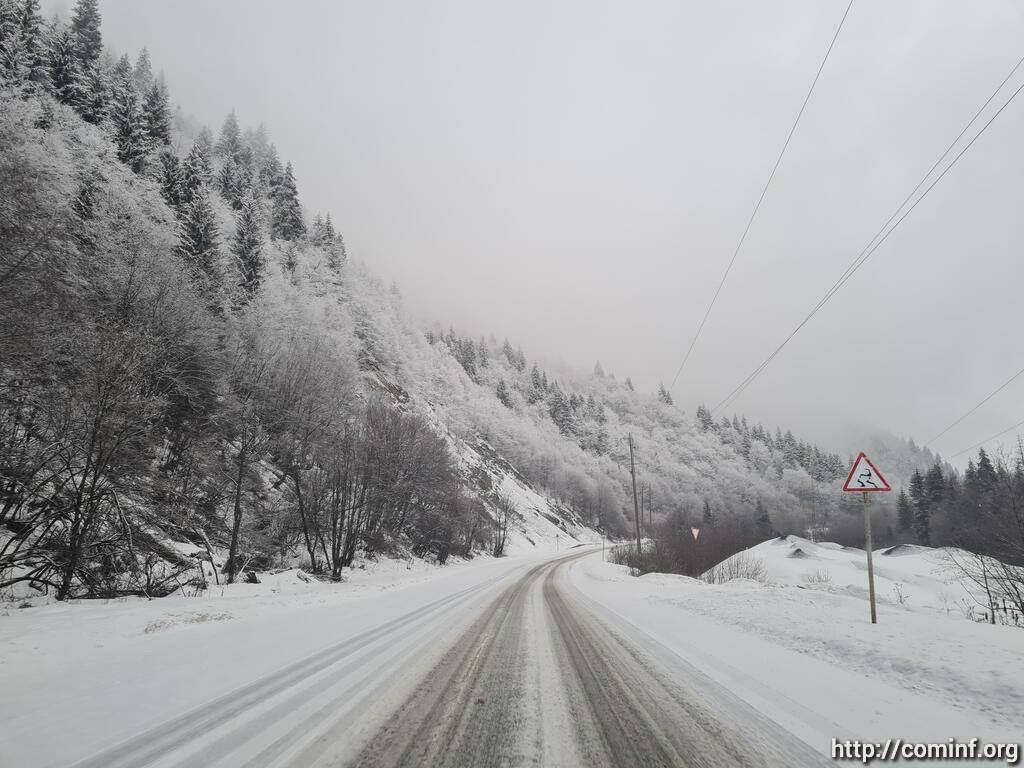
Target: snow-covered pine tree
<point>629,384</point>
<point>143,72</point>
<point>14,58</point>
<point>704,420</point>
<point>157,114</point>
<point>199,239</point>
<point>34,42</point>
<point>229,143</point>
<point>195,171</point>
<point>127,119</point>
<point>286,216</point>
<point>935,485</point>
<point>85,26</point>
<point>504,396</point>
<point>520,359</point>
<point>922,508</point>
<point>94,94</point>
<point>316,235</point>
<point>169,177</point>
<point>247,245</point>
<point>664,395</point>
<point>270,170</point>
<point>536,390</point>
<point>62,68</point>
<point>232,182</point>
<point>561,412</point>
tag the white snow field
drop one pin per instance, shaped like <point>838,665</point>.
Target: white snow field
<point>263,674</point>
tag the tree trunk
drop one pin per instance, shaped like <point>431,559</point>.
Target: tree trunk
<point>310,545</point>
<point>237,524</point>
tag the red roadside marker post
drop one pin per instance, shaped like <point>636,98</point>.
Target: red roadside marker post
<point>864,478</point>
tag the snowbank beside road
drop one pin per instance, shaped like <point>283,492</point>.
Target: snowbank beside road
<point>809,657</point>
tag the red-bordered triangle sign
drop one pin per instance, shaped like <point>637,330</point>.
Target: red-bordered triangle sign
<point>865,477</point>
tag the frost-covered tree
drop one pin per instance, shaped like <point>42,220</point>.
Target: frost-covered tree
<point>704,419</point>
<point>664,395</point>
<point>85,26</point>
<point>233,181</point>
<point>504,396</point>
<point>270,170</point>
<point>286,216</point>
<point>170,179</point>
<point>922,507</point>
<point>23,44</point>
<point>128,122</point>
<point>629,384</point>
<point>15,60</point>
<point>62,68</point>
<point>561,412</point>
<point>247,245</point>
<point>94,99</point>
<point>143,72</point>
<point>199,238</point>
<point>157,114</point>
<point>229,143</point>
<point>520,361</point>
<point>196,171</point>
<point>536,391</point>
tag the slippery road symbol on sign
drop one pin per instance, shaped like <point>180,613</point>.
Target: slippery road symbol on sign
<point>865,477</point>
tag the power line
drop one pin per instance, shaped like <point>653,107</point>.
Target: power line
<point>1018,425</point>
<point>992,394</point>
<point>750,221</point>
<point>870,249</point>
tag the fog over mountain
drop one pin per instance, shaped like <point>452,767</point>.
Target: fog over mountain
<point>577,178</point>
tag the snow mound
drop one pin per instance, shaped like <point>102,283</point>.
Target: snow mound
<point>907,576</point>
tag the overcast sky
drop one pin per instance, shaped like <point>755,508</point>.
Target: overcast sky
<point>575,175</point>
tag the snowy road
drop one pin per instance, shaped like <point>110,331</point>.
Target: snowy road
<point>504,662</point>
<point>538,679</point>
<point>519,668</point>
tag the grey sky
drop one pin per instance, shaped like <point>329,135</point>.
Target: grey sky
<point>575,176</point>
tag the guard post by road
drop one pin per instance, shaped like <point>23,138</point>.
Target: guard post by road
<point>864,478</point>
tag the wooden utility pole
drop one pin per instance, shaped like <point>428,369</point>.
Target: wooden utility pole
<point>636,504</point>
<point>871,569</point>
<point>643,524</point>
<point>650,509</point>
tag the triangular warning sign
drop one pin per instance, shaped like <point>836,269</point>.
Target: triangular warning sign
<point>865,477</point>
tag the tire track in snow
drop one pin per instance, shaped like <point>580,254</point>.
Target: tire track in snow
<point>161,740</point>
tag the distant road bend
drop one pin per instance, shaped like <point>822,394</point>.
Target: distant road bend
<point>522,670</point>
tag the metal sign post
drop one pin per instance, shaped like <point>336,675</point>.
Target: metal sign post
<point>871,568</point>
<point>864,478</point>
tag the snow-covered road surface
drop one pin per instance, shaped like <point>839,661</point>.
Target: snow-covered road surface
<point>538,679</point>
<point>503,664</point>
